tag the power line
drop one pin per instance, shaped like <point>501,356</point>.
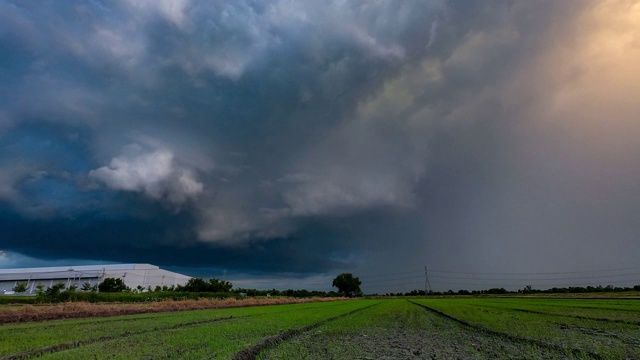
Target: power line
<point>401,284</point>
<point>499,280</point>
<point>427,284</point>
<point>536,279</point>
<point>417,284</point>
<point>535,273</point>
<point>395,279</point>
<point>391,274</point>
<point>592,283</point>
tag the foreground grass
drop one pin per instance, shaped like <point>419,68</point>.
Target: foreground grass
<point>605,328</point>
<point>398,329</point>
<point>335,339</point>
<point>192,334</point>
<point>487,328</point>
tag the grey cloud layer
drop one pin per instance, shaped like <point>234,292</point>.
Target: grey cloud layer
<point>454,126</point>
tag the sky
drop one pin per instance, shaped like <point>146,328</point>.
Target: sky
<point>279,143</point>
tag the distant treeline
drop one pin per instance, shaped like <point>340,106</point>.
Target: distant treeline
<point>115,290</point>
<point>526,290</point>
<point>287,293</point>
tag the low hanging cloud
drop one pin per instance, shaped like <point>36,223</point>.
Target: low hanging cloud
<point>153,172</point>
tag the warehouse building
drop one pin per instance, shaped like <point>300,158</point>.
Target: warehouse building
<point>133,275</point>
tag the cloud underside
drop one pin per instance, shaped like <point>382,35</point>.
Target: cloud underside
<point>322,134</point>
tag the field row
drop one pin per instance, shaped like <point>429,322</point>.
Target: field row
<point>477,329</point>
<point>580,328</point>
<point>219,333</point>
<point>418,328</point>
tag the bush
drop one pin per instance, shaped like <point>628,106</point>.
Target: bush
<point>201,285</point>
<point>111,285</point>
<point>20,287</point>
<point>55,293</point>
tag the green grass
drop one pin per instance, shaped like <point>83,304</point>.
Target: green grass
<point>587,325</point>
<point>614,310</point>
<point>17,299</point>
<point>399,329</point>
<point>333,340</point>
<point>518,328</point>
<point>187,333</point>
<point>214,340</point>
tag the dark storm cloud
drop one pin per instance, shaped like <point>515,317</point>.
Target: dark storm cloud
<point>125,238</point>
<point>291,137</point>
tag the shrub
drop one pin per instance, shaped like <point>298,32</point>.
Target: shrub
<point>20,287</point>
<point>111,285</point>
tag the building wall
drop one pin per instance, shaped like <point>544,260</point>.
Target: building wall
<point>146,278</point>
<point>133,275</point>
<point>6,286</point>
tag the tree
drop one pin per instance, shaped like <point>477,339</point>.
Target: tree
<point>53,293</point>
<point>40,289</point>
<point>86,286</point>
<point>201,285</point>
<point>111,285</point>
<point>218,285</point>
<point>347,284</point>
<point>54,290</point>
<point>196,285</point>
<point>20,287</point>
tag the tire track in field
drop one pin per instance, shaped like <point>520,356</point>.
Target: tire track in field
<point>587,331</point>
<point>595,307</point>
<point>513,338</point>
<point>252,352</point>
<point>74,344</point>
<point>78,343</point>
<point>580,317</point>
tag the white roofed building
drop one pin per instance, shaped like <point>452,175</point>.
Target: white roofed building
<point>133,275</point>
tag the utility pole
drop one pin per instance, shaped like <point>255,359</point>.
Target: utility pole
<point>427,285</point>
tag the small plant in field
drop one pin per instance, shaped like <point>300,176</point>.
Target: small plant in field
<point>20,287</point>
<point>39,289</point>
<point>86,286</point>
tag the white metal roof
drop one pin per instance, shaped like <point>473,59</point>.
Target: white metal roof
<point>83,271</point>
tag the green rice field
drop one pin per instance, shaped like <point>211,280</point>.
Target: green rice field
<point>420,328</point>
